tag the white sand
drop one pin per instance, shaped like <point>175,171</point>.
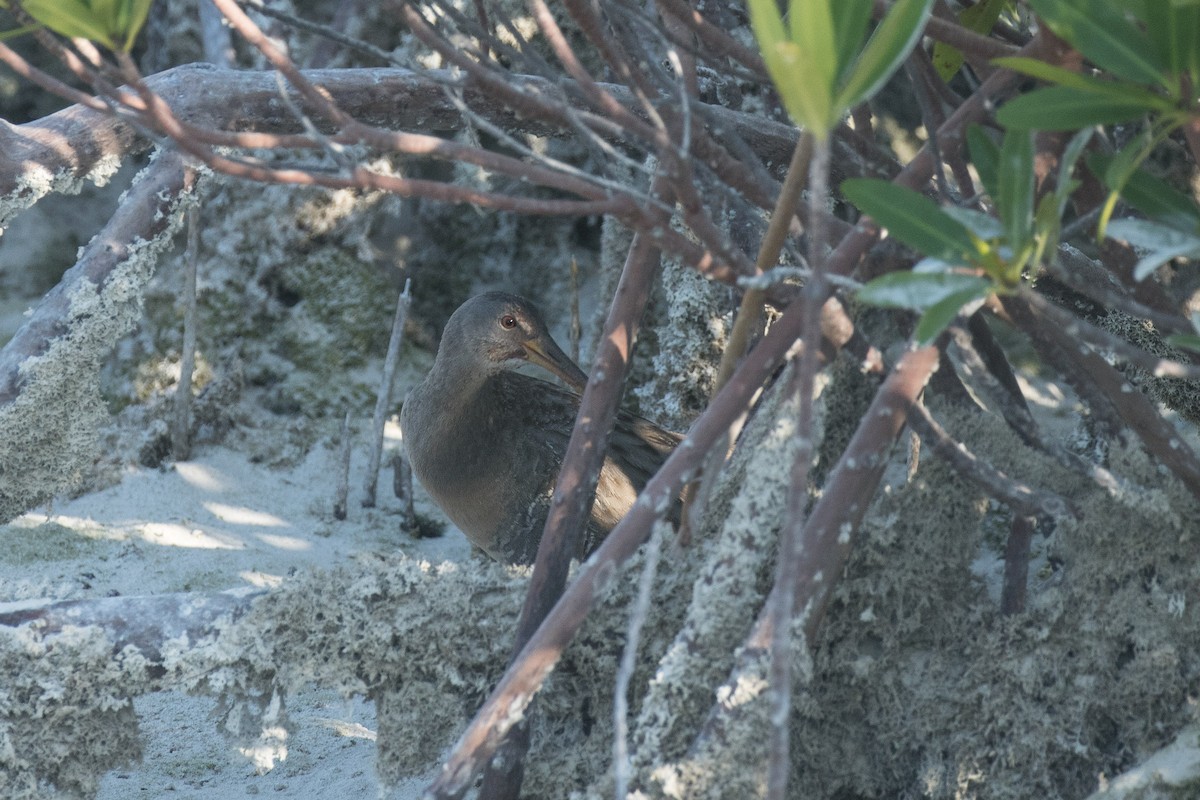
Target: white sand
<point>216,522</point>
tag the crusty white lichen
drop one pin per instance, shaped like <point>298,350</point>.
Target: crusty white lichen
<point>689,339</point>
<point>743,519</point>
<point>48,433</point>
<point>1098,668</point>
<point>36,181</point>
<point>426,642</point>
<point>65,712</point>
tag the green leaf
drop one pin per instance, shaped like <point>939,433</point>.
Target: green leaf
<point>766,22</point>
<point>134,14</point>
<point>107,11</point>
<point>69,18</point>
<point>1121,91</point>
<point>112,23</point>
<point>983,226</point>
<point>919,291</point>
<point>788,66</point>
<point>1049,215</point>
<point>1065,184</point>
<point>942,313</point>
<point>1174,30</point>
<point>1185,341</point>
<point>1071,154</point>
<point>1015,201</point>
<point>1099,30</point>
<point>1059,108</point>
<point>912,218</point>
<point>986,157</point>
<point>887,48</point>
<point>930,264</point>
<point>1161,243</point>
<point>1126,161</point>
<point>850,18</point>
<point>812,31</point>
<point>978,18</point>
<point>1153,197</point>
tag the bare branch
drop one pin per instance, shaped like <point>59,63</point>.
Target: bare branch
<point>383,400</point>
<point>181,435</point>
<point>1024,499</point>
<point>49,400</point>
<point>827,539</point>
<point>1135,409</point>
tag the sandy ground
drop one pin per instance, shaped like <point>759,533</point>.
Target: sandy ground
<point>215,522</point>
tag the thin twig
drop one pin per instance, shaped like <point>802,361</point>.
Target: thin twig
<point>1085,276</point>
<point>575,332</point>
<point>791,544</point>
<point>1016,565</point>
<point>383,398</point>
<point>402,487</point>
<point>1016,412</point>
<point>973,45</point>
<point>1023,499</point>
<point>325,31</point>
<point>48,82</point>
<point>749,315</point>
<point>326,49</point>
<point>637,620</point>
<point>1136,410</point>
<point>1097,337</point>
<point>342,490</point>
<point>181,434</point>
<point>717,42</point>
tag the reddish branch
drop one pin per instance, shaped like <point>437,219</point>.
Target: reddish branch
<point>1099,378</point>
<point>1022,498</point>
<point>1016,565</point>
<point>829,533</point>
<point>1097,337</point>
<point>717,43</point>
<point>243,109</point>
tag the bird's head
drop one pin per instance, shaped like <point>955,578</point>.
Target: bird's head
<point>498,331</point>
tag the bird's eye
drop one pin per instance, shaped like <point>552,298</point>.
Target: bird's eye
<point>508,321</point>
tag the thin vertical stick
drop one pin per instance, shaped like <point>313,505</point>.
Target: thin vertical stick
<point>748,320</point>
<point>576,331</point>
<point>637,619</point>
<point>1016,564</point>
<point>750,312</point>
<point>181,444</point>
<point>402,487</point>
<point>791,549</point>
<point>383,399</point>
<point>343,484</point>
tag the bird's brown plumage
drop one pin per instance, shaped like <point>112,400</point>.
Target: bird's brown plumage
<point>487,443</point>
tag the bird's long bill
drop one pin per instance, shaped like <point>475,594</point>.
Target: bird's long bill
<point>546,353</point>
